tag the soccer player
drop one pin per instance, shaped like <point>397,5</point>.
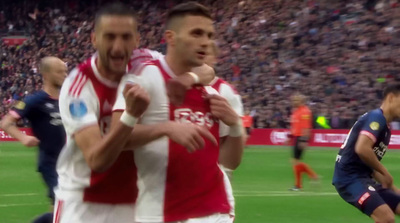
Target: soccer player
<point>174,184</point>
<point>301,122</point>
<point>230,156</point>
<point>41,109</point>
<point>97,178</point>
<point>359,177</point>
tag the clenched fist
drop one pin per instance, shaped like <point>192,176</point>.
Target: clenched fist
<point>136,98</point>
<point>221,109</point>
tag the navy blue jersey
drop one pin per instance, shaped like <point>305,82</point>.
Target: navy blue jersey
<point>44,116</point>
<point>348,165</point>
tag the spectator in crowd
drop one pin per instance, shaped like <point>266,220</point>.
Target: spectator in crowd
<point>340,53</point>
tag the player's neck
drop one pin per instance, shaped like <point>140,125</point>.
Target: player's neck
<point>386,113</point>
<point>176,66</point>
<point>51,91</point>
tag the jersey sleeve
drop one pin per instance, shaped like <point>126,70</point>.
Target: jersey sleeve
<point>140,56</point>
<point>233,98</point>
<point>144,78</point>
<point>373,126</point>
<point>23,109</point>
<point>78,110</point>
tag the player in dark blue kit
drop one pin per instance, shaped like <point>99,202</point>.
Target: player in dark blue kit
<point>359,176</point>
<point>41,109</point>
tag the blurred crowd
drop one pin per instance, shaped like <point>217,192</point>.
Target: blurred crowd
<point>340,53</point>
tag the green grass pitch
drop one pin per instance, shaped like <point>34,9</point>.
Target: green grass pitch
<point>260,185</point>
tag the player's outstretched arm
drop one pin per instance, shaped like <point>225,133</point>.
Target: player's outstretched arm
<point>364,149</point>
<point>101,152</point>
<point>188,135</point>
<point>177,87</point>
<point>233,145</point>
<point>8,124</point>
<point>381,179</point>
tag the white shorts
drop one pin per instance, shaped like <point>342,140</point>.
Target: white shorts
<point>68,211</point>
<point>215,218</point>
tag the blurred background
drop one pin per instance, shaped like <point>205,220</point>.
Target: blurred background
<point>339,53</point>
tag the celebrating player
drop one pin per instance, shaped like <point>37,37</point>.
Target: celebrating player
<point>97,179</point>
<point>359,177</point>
<point>41,109</point>
<point>175,185</point>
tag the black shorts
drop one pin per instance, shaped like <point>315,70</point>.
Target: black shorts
<point>297,151</point>
<point>248,130</point>
<point>50,177</point>
<point>366,195</point>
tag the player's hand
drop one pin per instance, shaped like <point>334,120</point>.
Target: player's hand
<point>205,73</point>
<point>387,180</point>
<point>189,135</point>
<point>221,109</point>
<point>136,98</point>
<point>30,141</point>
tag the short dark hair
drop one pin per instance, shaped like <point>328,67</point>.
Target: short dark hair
<point>116,8</point>
<point>393,88</point>
<point>187,8</point>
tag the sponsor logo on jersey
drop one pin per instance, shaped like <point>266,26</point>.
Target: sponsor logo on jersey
<point>186,115</point>
<point>78,108</point>
<point>374,126</point>
<point>20,105</point>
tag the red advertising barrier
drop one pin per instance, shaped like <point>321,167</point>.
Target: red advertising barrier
<point>14,40</point>
<point>319,137</point>
<point>276,137</point>
<point>4,137</point>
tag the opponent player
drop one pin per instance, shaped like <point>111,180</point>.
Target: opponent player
<point>359,177</point>
<point>41,109</point>
<point>97,179</point>
<point>301,122</point>
<point>175,185</point>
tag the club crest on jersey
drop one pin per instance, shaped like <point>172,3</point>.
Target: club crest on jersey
<point>78,109</point>
<point>20,105</point>
<point>371,188</point>
<point>374,126</point>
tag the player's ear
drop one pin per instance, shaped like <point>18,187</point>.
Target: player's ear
<point>93,39</point>
<point>169,37</point>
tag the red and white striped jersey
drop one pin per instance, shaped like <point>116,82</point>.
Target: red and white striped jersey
<point>230,93</point>
<point>173,184</point>
<point>86,99</point>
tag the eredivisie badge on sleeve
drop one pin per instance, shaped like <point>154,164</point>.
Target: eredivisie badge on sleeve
<point>78,108</point>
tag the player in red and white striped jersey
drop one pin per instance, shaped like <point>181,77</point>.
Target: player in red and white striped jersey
<point>175,185</point>
<point>97,179</point>
<point>230,154</point>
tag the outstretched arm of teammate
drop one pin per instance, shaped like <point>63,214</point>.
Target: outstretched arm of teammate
<point>177,87</point>
<point>8,124</point>
<point>233,145</point>
<point>188,135</point>
<point>101,152</point>
<point>364,149</point>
